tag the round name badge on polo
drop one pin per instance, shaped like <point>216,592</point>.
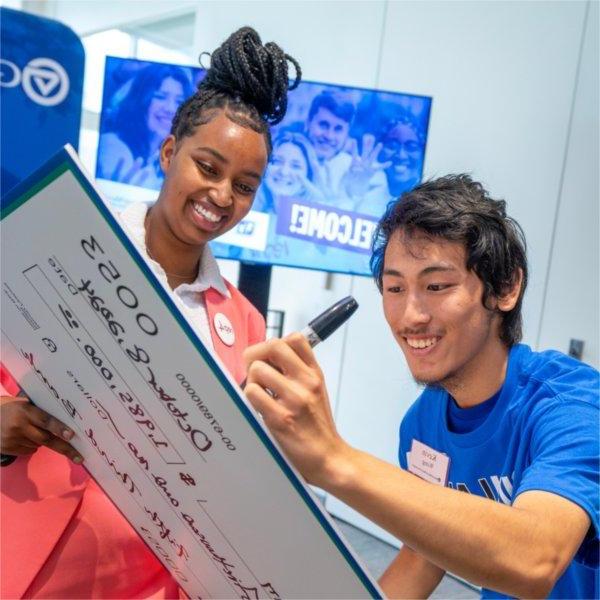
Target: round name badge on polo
<point>224,329</point>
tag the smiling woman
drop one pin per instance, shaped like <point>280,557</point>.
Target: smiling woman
<point>211,178</point>
<point>213,161</point>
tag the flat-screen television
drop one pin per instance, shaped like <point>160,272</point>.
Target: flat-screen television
<point>339,157</point>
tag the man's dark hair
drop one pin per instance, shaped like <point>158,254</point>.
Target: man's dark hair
<point>458,209</point>
<point>335,103</point>
<point>248,80</point>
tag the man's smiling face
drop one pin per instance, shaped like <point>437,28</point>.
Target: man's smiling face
<point>433,305</point>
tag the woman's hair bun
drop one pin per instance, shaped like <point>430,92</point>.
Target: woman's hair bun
<point>256,74</point>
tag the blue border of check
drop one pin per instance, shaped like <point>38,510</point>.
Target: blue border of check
<point>54,168</point>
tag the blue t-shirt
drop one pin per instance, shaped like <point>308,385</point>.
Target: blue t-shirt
<point>463,420</point>
<point>541,434</point>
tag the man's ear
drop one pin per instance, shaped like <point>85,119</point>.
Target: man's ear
<point>167,150</point>
<point>508,300</point>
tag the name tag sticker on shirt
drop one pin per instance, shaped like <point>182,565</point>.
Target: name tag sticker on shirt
<point>427,463</point>
<point>224,329</point>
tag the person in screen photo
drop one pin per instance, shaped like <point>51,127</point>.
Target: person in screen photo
<point>328,129</point>
<point>129,147</point>
<point>402,152</point>
<point>62,537</point>
<point>352,176</point>
<point>384,170</point>
<point>293,172</point>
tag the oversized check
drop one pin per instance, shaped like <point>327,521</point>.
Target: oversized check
<point>95,339</point>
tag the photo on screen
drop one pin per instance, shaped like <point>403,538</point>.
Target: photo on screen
<point>340,155</point>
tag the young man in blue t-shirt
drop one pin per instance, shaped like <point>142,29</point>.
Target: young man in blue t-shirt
<point>500,454</point>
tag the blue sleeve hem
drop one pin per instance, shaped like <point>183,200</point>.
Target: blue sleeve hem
<point>582,503</point>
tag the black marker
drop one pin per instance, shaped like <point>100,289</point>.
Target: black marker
<point>321,327</point>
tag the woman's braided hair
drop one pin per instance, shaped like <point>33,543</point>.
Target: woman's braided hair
<point>248,80</point>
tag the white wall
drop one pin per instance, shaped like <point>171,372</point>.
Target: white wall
<point>572,294</point>
<point>89,16</point>
<point>14,4</point>
<point>510,105</point>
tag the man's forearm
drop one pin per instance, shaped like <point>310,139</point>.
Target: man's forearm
<point>410,576</point>
<point>501,547</point>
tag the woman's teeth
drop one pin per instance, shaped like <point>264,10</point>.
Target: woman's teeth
<point>203,212</point>
<point>413,343</point>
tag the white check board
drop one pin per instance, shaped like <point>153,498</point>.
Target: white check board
<point>95,339</point>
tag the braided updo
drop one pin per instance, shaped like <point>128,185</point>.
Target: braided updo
<point>248,80</point>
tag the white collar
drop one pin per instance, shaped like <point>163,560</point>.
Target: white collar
<point>209,276</point>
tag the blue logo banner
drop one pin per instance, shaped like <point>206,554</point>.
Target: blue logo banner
<point>41,88</point>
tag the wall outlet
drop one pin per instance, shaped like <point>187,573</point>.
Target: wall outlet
<point>576,348</point>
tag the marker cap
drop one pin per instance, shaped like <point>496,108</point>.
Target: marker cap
<point>335,316</point>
